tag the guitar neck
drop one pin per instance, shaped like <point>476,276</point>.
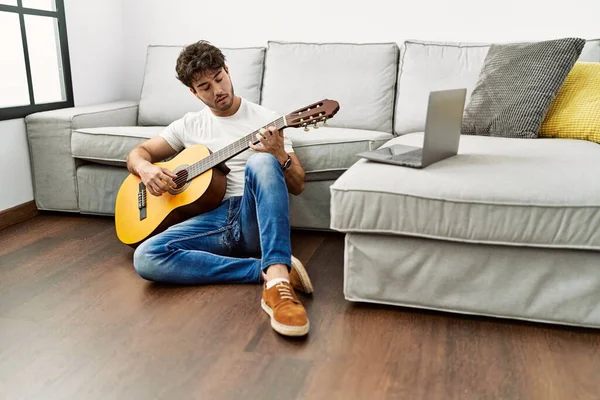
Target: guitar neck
<point>230,150</point>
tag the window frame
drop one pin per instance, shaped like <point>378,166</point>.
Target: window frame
<point>7,113</point>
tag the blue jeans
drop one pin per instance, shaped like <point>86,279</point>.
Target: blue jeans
<point>233,243</point>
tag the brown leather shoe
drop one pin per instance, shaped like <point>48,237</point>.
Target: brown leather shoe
<point>299,277</point>
<point>288,316</point>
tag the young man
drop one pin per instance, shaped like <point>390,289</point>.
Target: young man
<point>246,238</point>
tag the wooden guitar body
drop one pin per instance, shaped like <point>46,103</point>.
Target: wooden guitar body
<point>199,195</point>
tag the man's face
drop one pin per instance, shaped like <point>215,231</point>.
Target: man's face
<point>214,88</point>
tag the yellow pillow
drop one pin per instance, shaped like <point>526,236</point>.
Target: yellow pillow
<point>575,112</point>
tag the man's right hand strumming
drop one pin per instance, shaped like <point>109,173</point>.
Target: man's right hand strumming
<point>158,180</point>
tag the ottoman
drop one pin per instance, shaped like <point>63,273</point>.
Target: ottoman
<point>507,228</point>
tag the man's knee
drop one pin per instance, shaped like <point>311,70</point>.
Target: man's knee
<point>261,161</point>
<point>144,264</point>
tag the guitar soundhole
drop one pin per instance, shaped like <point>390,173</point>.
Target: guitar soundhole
<point>181,179</point>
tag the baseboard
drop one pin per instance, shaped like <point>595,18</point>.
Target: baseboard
<point>17,214</point>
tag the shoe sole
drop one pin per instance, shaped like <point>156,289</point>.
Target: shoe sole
<point>281,328</point>
<point>303,275</point>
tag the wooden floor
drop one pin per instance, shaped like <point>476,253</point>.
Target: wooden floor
<point>76,322</point>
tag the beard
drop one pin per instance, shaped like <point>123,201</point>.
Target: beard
<point>227,105</point>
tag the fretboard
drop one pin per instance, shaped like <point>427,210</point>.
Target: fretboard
<point>229,151</point>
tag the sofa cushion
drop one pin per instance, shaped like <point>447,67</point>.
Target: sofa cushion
<point>575,113</point>
<point>591,51</point>
<point>425,66</point>
<point>502,191</point>
<point>517,85</point>
<point>110,145</point>
<point>164,98</point>
<point>361,77</point>
<point>325,153</point>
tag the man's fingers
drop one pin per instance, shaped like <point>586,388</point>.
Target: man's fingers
<point>149,187</point>
<point>171,174</point>
<point>168,179</point>
<point>152,189</point>
<point>255,147</point>
<point>157,185</point>
<point>273,131</point>
<point>162,186</point>
<point>262,139</point>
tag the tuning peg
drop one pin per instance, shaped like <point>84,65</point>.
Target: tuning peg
<point>325,122</point>
<point>316,126</point>
<point>306,128</point>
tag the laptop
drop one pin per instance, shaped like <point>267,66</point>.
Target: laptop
<point>441,138</point>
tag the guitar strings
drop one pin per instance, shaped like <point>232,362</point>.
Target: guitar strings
<point>221,155</point>
<point>209,162</point>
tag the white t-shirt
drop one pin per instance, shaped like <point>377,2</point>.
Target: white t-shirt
<point>203,127</point>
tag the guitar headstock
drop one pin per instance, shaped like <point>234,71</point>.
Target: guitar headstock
<point>312,114</point>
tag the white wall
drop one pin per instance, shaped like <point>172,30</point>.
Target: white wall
<point>94,29</point>
<point>15,179</point>
<point>252,23</point>
<point>96,49</point>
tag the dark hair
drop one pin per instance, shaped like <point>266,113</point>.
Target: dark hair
<point>196,59</point>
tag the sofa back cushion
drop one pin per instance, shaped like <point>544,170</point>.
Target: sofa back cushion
<point>165,99</point>
<point>591,51</point>
<point>361,77</point>
<point>425,66</point>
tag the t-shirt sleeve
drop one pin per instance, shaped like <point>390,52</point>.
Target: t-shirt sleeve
<point>173,134</point>
<point>287,143</point>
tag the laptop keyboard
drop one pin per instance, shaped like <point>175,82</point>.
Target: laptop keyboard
<point>412,157</point>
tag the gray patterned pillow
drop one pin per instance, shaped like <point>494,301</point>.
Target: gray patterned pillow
<point>517,85</point>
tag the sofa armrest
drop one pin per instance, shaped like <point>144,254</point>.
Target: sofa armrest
<point>49,135</point>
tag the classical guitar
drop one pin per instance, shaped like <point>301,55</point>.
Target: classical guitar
<point>201,181</point>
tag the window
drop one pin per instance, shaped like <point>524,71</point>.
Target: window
<point>35,74</point>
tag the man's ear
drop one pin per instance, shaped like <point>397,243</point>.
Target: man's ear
<point>226,69</point>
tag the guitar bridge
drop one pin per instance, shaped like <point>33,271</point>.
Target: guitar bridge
<point>142,201</point>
